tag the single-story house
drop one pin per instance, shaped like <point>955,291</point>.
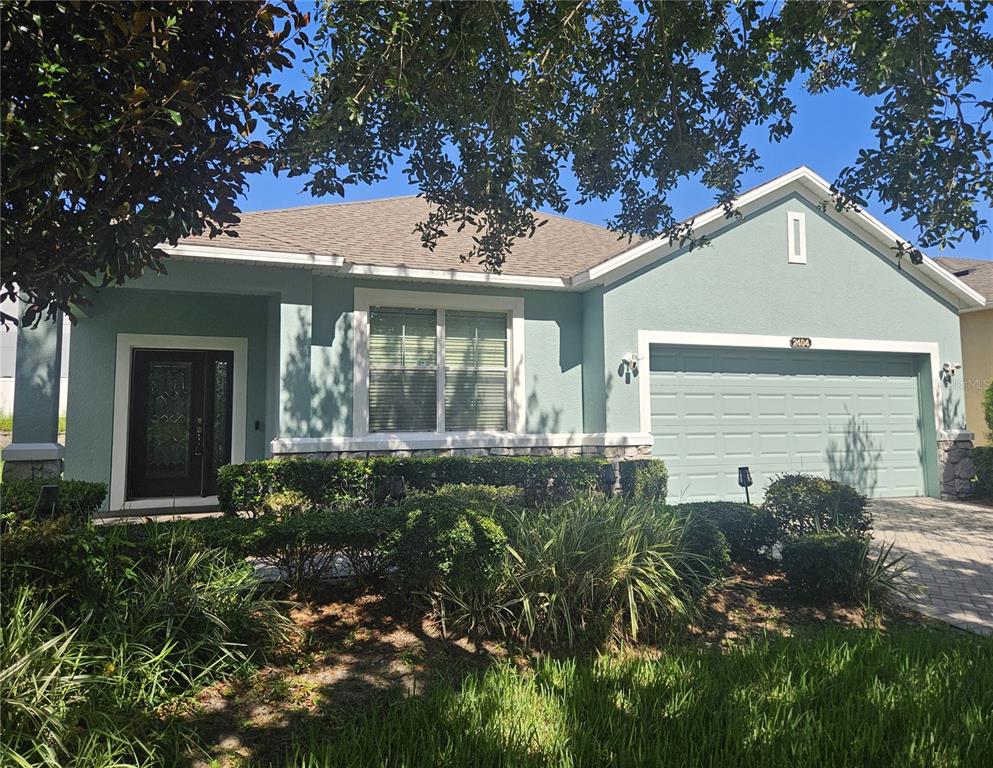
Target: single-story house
<point>795,340</point>
<point>977,340</point>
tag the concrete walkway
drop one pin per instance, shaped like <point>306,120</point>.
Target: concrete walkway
<point>949,547</point>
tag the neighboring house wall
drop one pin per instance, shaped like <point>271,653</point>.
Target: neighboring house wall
<point>742,283</point>
<point>977,370</point>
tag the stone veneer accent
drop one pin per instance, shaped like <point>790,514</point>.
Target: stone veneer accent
<point>618,452</point>
<point>955,466</point>
<point>34,469</point>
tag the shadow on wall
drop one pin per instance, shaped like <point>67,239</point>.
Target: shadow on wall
<point>538,420</point>
<point>332,391</point>
<point>855,459</point>
<point>296,383</point>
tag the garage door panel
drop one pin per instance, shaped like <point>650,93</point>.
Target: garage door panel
<point>831,413</point>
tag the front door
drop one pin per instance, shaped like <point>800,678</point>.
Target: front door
<point>179,428</point>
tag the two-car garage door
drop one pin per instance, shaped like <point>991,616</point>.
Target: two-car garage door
<point>852,416</point>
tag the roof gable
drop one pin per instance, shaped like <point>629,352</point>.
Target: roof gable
<point>816,190</point>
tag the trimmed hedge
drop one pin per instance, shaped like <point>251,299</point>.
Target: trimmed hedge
<point>340,482</point>
<point>247,487</point>
<point>546,477</point>
<point>824,565</point>
<point>983,459</point>
<point>704,540</point>
<point>78,499</point>
<point>644,479</point>
<point>750,531</point>
<point>804,504</point>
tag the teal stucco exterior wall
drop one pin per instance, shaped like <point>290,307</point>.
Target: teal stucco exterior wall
<point>92,363</point>
<point>299,327</point>
<point>552,354</point>
<point>742,283</point>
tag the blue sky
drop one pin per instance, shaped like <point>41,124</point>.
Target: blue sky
<point>828,131</point>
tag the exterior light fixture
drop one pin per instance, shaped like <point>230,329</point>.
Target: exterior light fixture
<point>630,361</point>
<point>745,481</point>
<point>948,372</point>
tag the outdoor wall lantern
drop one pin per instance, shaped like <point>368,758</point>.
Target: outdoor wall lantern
<point>630,361</point>
<point>745,481</point>
<point>948,371</point>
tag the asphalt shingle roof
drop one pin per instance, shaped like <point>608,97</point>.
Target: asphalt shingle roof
<point>976,273</point>
<point>381,233</point>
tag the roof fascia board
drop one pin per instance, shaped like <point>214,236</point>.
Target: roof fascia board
<point>338,265</point>
<point>244,254</point>
<point>454,275</point>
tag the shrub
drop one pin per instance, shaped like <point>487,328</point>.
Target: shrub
<point>300,548</point>
<point>78,499</point>
<point>545,477</point>
<point>644,479</point>
<point>750,531</point>
<point>983,460</point>
<point>345,482</point>
<point>988,411</point>
<point>841,567</point>
<point>366,537</point>
<point>595,569</point>
<point>60,557</point>
<point>444,540</point>
<point>705,541</point>
<point>803,504</point>
<point>823,565</point>
<point>248,487</point>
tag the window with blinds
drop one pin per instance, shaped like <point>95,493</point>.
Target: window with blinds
<point>403,372</point>
<point>475,371</point>
<point>404,385</point>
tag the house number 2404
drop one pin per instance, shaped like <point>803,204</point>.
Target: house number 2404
<point>800,342</point>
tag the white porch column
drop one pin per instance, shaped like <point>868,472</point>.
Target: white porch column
<point>35,450</point>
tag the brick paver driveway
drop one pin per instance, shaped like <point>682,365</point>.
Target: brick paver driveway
<point>949,547</point>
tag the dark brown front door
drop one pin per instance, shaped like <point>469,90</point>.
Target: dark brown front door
<point>179,428</point>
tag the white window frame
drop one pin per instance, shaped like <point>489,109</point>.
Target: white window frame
<point>797,252</point>
<point>126,344</point>
<point>365,298</point>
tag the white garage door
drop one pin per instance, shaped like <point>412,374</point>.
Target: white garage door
<point>851,416</point>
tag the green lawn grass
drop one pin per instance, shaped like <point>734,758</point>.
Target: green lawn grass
<point>7,422</point>
<point>910,697</point>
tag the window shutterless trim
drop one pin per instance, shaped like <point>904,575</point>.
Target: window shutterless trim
<point>365,298</point>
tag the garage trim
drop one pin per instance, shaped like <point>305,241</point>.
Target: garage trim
<point>758,341</point>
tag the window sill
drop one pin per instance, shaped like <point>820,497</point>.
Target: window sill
<point>412,441</point>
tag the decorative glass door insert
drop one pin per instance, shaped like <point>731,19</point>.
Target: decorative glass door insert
<point>179,427</point>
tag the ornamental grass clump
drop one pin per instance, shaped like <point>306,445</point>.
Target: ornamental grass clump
<point>598,570</point>
<point>87,679</point>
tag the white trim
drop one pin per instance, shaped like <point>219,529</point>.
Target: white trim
<point>454,275</point>
<point>677,338</point>
<point>170,502</point>
<point>33,452</point>
<point>369,297</point>
<point>802,180</point>
<point>248,254</point>
<point>796,229</point>
<point>126,342</point>
<point>436,440</point>
<point>957,435</point>
<point>439,364</point>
